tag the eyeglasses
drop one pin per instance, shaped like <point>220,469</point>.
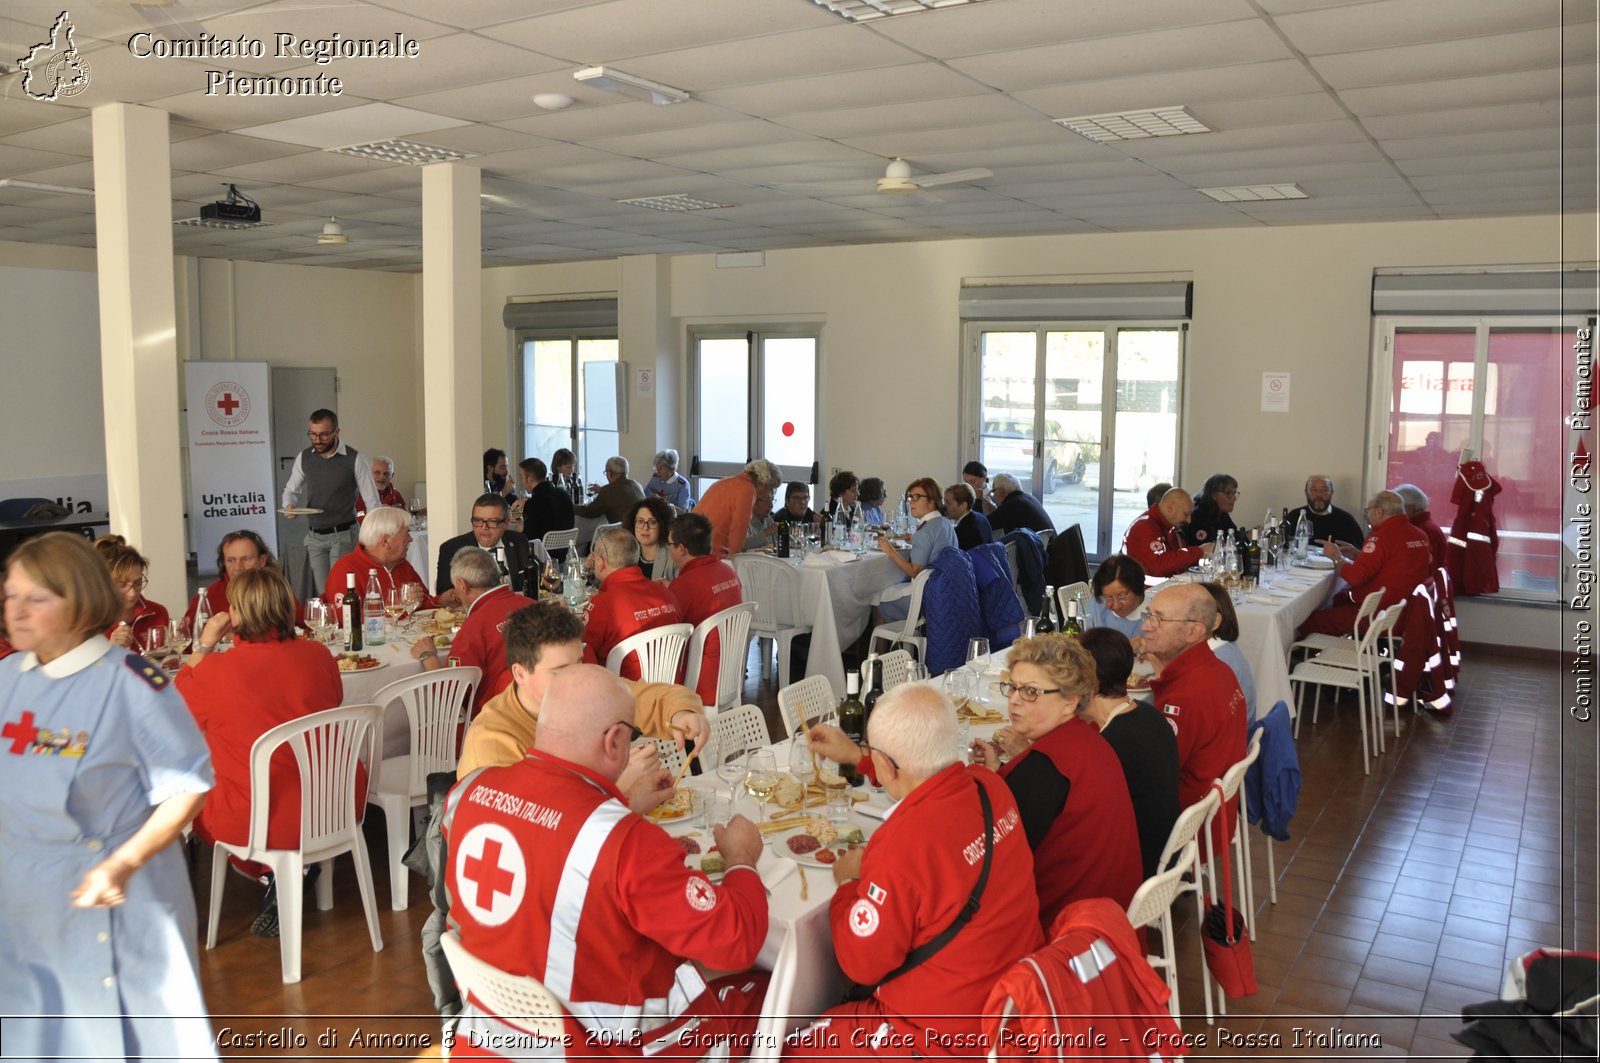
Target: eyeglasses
<point>647,523</point>
<point>914,495</point>
<point>1232,494</point>
<point>1027,693</point>
<point>136,584</point>
<point>1158,619</point>
<point>634,734</point>
<point>672,545</point>
<point>323,435</point>
<point>871,749</point>
<point>495,522</point>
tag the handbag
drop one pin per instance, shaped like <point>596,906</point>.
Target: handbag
<point>925,951</point>
<point>1228,954</point>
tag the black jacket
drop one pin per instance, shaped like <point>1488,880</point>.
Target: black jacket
<point>516,551</point>
<point>547,509</point>
<point>1020,510</point>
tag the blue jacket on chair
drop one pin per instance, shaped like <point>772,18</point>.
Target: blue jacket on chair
<point>950,609</point>
<point>1030,567</point>
<point>1272,785</point>
<point>997,595</point>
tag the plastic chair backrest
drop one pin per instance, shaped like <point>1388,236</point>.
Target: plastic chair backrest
<point>732,626</point>
<point>768,584</point>
<point>533,1007</point>
<point>1155,895</point>
<point>660,652</point>
<point>671,755</point>
<point>1369,605</point>
<point>743,728</point>
<point>896,665</point>
<point>1233,778</point>
<point>1187,826</point>
<point>560,540</point>
<point>1066,593</point>
<point>801,704</point>
<point>914,611</point>
<point>436,704</point>
<point>327,747</point>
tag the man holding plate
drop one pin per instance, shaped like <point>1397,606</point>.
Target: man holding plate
<point>330,475</point>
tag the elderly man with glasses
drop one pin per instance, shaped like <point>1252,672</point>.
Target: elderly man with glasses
<point>1394,559</point>
<point>491,531</point>
<point>1196,690</point>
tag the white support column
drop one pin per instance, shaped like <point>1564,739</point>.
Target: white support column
<point>647,340</point>
<point>138,340</point>
<point>452,352</point>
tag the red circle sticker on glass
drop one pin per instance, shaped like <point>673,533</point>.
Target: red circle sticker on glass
<point>788,428</point>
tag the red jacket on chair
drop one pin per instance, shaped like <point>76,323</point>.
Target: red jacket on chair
<point>1470,551</point>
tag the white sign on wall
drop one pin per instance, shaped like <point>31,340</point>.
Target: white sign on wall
<point>230,455</point>
<point>1274,392</point>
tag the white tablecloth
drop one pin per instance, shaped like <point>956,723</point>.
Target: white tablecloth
<point>836,598</point>
<point>421,560</point>
<point>1267,631</point>
<point>361,688</point>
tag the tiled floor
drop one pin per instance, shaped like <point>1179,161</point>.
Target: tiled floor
<point>1400,895</point>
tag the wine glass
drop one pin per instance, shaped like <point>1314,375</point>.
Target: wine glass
<point>761,778</point>
<point>730,769</point>
<point>412,594</point>
<point>178,629</point>
<point>978,655</point>
<point>155,640</point>
<point>802,764</point>
<point>317,618</point>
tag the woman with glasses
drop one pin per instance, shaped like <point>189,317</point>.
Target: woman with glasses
<point>98,929</point>
<point>139,615</point>
<point>1068,782</point>
<point>564,474</point>
<point>648,520</point>
<point>666,484</point>
<point>1213,511</point>
<point>933,534</point>
<point>1119,597</point>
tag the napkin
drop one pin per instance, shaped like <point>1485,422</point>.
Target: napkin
<point>1261,598</point>
<point>829,557</point>
<point>773,868</point>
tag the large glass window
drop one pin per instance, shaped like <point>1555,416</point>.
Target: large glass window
<point>1085,417</point>
<point>755,396</point>
<point>1494,389</point>
<point>554,412</point>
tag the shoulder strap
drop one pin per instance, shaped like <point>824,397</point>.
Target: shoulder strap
<point>926,951</point>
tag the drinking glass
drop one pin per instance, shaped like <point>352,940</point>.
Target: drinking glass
<point>959,686</point>
<point>317,618</point>
<point>394,607</point>
<point>730,769</point>
<point>178,629</point>
<point>719,809</point>
<point>802,765</point>
<point>155,640</point>
<point>978,655</point>
<point>836,792</point>
<point>761,778</point>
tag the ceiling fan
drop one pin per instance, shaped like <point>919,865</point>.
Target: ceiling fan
<point>898,178</point>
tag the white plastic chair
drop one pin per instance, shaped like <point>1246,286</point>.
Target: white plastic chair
<point>1066,593</point>
<point>1360,679</point>
<point>520,998</point>
<point>1318,641</point>
<point>327,747</point>
<point>732,626</point>
<point>905,631</point>
<point>560,540</point>
<point>804,703</point>
<point>742,728</point>
<point>671,755</point>
<point>1152,906</point>
<point>436,705</point>
<point>896,665</point>
<point>1185,830</point>
<point>769,585</point>
<point>1233,785</point>
<point>659,650</point>
<point>1378,660</point>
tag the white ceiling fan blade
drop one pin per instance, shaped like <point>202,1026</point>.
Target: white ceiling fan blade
<point>929,198</point>
<point>933,180</point>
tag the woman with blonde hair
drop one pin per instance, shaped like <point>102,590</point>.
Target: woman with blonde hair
<point>268,677</point>
<point>98,932</point>
<point>1066,778</point>
<point>139,615</point>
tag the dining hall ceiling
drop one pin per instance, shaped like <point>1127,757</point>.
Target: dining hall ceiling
<point>1377,110</point>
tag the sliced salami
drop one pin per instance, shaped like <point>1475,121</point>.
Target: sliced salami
<point>689,845</point>
<point>803,843</point>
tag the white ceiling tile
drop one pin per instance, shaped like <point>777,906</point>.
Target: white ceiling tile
<point>1400,22</point>
<point>1195,87</point>
<point>223,149</point>
<point>223,113</point>
<point>880,119</point>
<point>967,138</point>
<point>307,166</point>
<point>750,133</point>
<point>1521,86</point>
<point>1469,143</point>
<point>608,33</point>
<point>613,115</point>
<point>787,55</point>
<point>509,99</point>
<point>840,90</point>
<point>16,161</point>
<point>1465,120</point>
<point>968,30</point>
<point>1549,159</point>
<point>1530,50</point>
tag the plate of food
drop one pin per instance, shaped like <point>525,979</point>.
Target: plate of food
<point>442,622</point>
<point>1315,561</point>
<point>299,511</point>
<point>684,805</point>
<point>970,710</point>
<point>359,662</point>
<point>814,841</point>
<point>700,853</point>
<point>790,798</point>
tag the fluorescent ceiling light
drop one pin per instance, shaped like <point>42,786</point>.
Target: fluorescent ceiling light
<point>218,223</point>
<point>1134,125</point>
<point>1254,193</point>
<point>676,203</point>
<point>612,80</point>
<point>39,186</point>
<point>408,152</point>
<point>867,10</point>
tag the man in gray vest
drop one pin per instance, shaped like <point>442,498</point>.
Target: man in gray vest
<point>330,475</point>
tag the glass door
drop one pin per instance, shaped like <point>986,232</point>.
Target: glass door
<point>553,401</point>
<point>755,395</point>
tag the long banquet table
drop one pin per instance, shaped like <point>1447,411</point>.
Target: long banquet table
<point>835,597</point>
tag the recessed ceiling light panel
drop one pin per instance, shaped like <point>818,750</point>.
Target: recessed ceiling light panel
<point>1134,125</point>
<point>1254,193</point>
<point>407,152</point>
<point>677,204</point>
<point>867,10</point>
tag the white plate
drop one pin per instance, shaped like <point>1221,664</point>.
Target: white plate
<point>688,818</point>
<point>780,845</point>
<point>692,860</point>
<point>297,511</point>
<point>1315,562</point>
<point>361,671</point>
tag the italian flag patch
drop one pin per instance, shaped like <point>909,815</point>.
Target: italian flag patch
<point>876,893</point>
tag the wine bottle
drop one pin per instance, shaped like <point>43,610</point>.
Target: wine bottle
<point>853,721</point>
<point>372,611</point>
<point>1072,628</point>
<point>1252,556</point>
<point>350,614</point>
<point>874,685</point>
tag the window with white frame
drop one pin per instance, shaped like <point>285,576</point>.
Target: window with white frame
<point>753,394</point>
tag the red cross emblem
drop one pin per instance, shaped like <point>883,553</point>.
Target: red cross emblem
<point>863,919</point>
<point>700,895</point>
<point>490,872</point>
<point>22,733</point>
<point>227,404</point>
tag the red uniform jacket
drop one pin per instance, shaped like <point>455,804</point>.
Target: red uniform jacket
<point>1205,707</point>
<point>1394,557</point>
<point>217,601</point>
<point>238,696</point>
<point>1092,848</point>
<point>728,504</point>
<point>1154,543</point>
<point>146,615</point>
<point>389,496</point>
<point>918,871</point>
<point>1424,522</point>
<point>551,875</point>
<point>627,604</point>
<point>705,587</point>
<point>481,642</point>
<point>1474,540</point>
<point>360,562</point>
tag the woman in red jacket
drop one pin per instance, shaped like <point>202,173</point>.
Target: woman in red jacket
<point>269,677</point>
<point>139,616</point>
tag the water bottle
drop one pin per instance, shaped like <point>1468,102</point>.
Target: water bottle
<point>840,534</point>
<point>572,580</point>
<point>372,611</point>
<point>202,616</point>
<point>1302,536</point>
<point>902,518</point>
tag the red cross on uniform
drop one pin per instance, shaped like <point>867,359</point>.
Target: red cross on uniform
<point>227,404</point>
<point>22,733</point>
<point>488,874</point>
